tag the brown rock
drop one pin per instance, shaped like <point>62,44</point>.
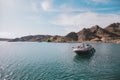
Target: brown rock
<point>71,37</point>
<point>114,28</point>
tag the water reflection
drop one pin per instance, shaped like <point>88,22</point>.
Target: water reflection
<point>80,58</point>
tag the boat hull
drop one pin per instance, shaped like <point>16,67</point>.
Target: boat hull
<point>85,52</point>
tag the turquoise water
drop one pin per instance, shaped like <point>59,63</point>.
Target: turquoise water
<point>57,61</point>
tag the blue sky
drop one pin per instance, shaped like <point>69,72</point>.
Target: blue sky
<point>55,17</point>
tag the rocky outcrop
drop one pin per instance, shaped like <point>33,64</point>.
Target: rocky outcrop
<point>114,28</point>
<point>85,35</point>
<point>56,38</point>
<point>72,36</point>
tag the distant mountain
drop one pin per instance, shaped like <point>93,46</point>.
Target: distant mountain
<point>4,39</point>
<point>32,38</point>
<point>94,34</point>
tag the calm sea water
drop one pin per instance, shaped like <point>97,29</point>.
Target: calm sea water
<point>57,61</point>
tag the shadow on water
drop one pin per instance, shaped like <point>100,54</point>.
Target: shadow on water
<point>87,57</point>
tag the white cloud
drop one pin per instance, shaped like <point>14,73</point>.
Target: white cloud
<point>76,22</point>
<point>7,4</point>
<point>46,5</point>
<point>68,8</point>
<point>5,35</point>
<point>34,7</point>
<point>36,19</point>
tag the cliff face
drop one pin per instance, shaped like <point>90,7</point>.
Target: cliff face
<point>71,37</point>
<point>89,33</point>
<point>114,28</point>
<point>98,31</point>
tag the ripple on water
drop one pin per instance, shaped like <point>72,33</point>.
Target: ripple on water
<point>43,61</point>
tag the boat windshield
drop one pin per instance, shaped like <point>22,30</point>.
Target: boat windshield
<point>84,46</point>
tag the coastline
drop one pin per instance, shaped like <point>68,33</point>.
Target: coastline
<point>94,34</point>
<point>113,41</point>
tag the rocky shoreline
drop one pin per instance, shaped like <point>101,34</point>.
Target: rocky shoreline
<point>109,34</point>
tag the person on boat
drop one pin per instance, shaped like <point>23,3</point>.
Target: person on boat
<point>88,45</point>
<point>79,47</point>
<point>83,45</point>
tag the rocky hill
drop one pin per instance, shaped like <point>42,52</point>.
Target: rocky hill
<point>72,36</point>
<point>110,33</point>
<point>4,39</point>
<point>114,28</point>
<point>32,38</point>
<point>97,34</point>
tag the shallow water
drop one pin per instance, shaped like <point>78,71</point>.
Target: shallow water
<point>57,61</point>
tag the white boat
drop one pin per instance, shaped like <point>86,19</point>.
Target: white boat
<point>84,49</point>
